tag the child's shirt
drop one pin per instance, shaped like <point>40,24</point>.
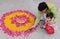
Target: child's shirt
<point>43,16</point>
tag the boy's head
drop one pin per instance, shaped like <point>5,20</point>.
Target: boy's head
<point>49,16</point>
<point>42,7</point>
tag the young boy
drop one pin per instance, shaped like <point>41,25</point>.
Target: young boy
<point>49,19</point>
<point>49,24</point>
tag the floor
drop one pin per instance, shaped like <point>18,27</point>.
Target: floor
<point>30,5</point>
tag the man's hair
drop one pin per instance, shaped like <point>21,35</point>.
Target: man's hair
<point>42,6</point>
<point>50,14</point>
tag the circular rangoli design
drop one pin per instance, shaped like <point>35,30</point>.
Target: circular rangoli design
<point>14,23</point>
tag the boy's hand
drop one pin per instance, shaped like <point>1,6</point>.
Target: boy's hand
<point>31,28</point>
<point>41,27</point>
<point>34,27</point>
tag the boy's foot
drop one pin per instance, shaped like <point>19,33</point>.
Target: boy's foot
<point>42,27</point>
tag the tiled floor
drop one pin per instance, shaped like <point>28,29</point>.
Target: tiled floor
<point>31,5</point>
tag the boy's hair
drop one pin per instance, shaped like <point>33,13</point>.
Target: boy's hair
<point>42,6</point>
<point>50,15</point>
